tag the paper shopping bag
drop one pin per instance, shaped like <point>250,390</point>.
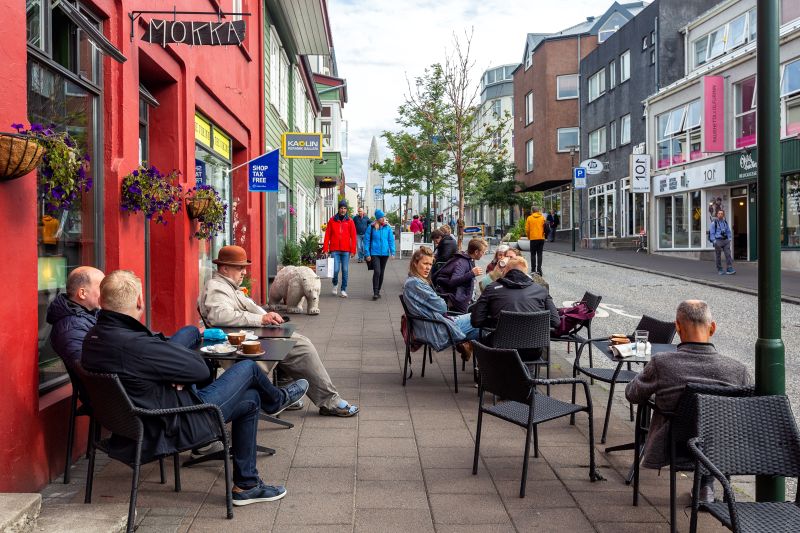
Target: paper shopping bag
<point>325,267</point>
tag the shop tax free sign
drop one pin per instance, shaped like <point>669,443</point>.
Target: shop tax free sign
<point>262,173</point>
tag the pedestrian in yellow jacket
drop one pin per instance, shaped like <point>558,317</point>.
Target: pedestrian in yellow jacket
<point>535,229</point>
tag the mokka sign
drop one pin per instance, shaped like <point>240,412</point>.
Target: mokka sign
<point>302,145</point>
<point>194,33</point>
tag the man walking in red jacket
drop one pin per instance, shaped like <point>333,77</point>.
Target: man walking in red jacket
<point>340,241</point>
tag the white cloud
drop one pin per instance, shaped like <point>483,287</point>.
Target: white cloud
<point>381,43</point>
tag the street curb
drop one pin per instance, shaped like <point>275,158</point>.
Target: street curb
<point>732,288</point>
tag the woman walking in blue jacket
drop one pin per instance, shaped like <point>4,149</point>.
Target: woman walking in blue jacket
<point>379,246</point>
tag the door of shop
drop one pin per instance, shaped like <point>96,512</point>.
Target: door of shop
<point>738,219</point>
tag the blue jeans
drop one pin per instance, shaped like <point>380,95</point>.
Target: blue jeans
<point>188,337</point>
<point>341,261</point>
<point>361,254</point>
<point>240,392</point>
<point>463,323</point>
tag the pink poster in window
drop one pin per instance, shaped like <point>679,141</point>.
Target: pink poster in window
<point>713,114</point>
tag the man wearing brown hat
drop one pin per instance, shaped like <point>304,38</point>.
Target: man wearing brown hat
<point>222,304</point>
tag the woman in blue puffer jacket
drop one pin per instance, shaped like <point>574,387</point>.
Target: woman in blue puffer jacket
<point>379,246</point>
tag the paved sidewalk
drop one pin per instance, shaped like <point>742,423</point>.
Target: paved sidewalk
<point>404,464</point>
<point>704,272</point>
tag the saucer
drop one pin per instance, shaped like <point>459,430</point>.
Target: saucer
<point>257,354</point>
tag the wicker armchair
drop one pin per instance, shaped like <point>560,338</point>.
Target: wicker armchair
<point>529,334</point>
<point>504,374</point>
<point>592,301</point>
<point>75,410</point>
<point>115,411</point>
<point>764,440</point>
<point>661,332</point>
<point>410,319</point>
<point>682,427</point>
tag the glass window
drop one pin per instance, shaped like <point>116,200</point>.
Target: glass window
<point>745,112</point>
<point>299,102</point>
<point>283,104</point>
<point>217,177</point>
<point>567,138</point>
<point>612,74</point>
<point>678,135</point>
<point>68,238</point>
<point>528,108</point>
<point>790,79</point>
<point>497,107</point>
<point>700,50</point>
<point>597,141</point>
<point>791,215</point>
<point>737,32</point>
<point>727,37</point>
<point>653,57</point>
<point>490,77</point>
<point>625,66</point>
<point>681,235</point>
<point>35,23</point>
<point>597,85</point>
<point>716,43</point>
<point>675,123</point>
<point>529,155</point>
<point>644,42</point>
<point>274,68</point>
<point>696,222</point>
<point>283,215</point>
<point>652,37</point>
<point>567,86</point>
<point>613,135</point>
<point>793,117</point>
<point>528,61</point>
<point>625,130</point>
<point>790,10</point>
<point>325,129</point>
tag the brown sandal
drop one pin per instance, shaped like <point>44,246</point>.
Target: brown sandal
<point>465,349</point>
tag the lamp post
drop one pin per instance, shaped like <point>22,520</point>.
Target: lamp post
<point>361,196</point>
<point>770,356</point>
<point>572,194</point>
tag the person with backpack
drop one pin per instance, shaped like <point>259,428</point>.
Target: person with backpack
<point>720,236</point>
<point>379,247</point>
<point>456,279</point>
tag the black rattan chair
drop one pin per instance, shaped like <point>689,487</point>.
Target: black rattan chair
<point>114,411</point>
<point>75,410</point>
<point>661,332</point>
<point>682,426</point>
<point>592,301</point>
<point>529,334</point>
<point>746,436</point>
<point>410,319</point>
<point>504,374</point>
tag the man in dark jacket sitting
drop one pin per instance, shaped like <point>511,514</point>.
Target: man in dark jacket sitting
<point>74,313</point>
<point>515,291</point>
<point>456,280</point>
<point>445,245</point>
<point>158,374</point>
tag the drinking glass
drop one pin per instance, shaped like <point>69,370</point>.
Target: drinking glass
<point>640,338</point>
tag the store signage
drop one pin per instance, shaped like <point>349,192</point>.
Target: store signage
<point>194,33</point>
<point>713,114</point>
<point>592,166</point>
<point>690,178</point>
<point>199,172</point>
<point>640,173</point>
<point>202,130</point>
<point>222,144</point>
<point>262,173</point>
<point>301,145</point>
<point>378,193</point>
<point>744,167</point>
<point>579,177</point>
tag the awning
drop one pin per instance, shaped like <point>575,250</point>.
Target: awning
<point>307,25</point>
<point>91,31</point>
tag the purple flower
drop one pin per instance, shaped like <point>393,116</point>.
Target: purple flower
<point>134,189</point>
<point>36,127</point>
<point>17,126</point>
<point>57,192</point>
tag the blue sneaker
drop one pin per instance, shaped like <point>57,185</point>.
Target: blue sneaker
<point>730,271</point>
<point>294,393</point>
<point>259,493</point>
<point>721,272</point>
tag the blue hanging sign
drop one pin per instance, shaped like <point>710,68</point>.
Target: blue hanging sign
<point>200,172</point>
<point>262,173</point>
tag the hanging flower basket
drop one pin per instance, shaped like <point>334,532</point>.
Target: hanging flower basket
<point>149,191</point>
<point>196,207</point>
<point>19,155</point>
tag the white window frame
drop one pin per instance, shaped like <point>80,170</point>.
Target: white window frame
<point>577,87</point>
<point>739,115</point>
<point>283,104</point>
<point>678,130</point>
<point>612,134</point>
<point>624,66</point>
<point>597,84</point>
<point>625,130</point>
<point>612,74</point>
<point>723,40</point>
<point>529,108</point>
<point>563,131</point>
<point>790,98</point>
<point>644,43</point>
<point>529,156</point>
<point>604,191</point>
<point>497,108</point>
<point>274,68</point>
<point>299,102</point>
<point>528,61</point>
<point>597,141</point>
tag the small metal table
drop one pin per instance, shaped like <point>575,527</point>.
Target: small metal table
<point>279,331</point>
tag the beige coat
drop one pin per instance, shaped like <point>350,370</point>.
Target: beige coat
<point>224,305</point>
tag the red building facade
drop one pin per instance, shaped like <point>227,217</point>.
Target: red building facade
<point>196,109</point>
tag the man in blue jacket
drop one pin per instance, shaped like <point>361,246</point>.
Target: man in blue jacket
<point>720,235</point>
<point>74,313</point>
<point>362,222</point>
<point>158,374</point>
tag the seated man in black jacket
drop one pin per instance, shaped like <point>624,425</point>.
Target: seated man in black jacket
<point>515,291</point>
<point>158,374</point>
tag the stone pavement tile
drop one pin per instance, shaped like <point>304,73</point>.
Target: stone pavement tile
<point>388,468</point>
<point>385,428</point>
<point>327,456</point>
<point>384,399</point>
<point>385,413</point>
<point>348,355</point>
<point>320,480</point>
<point>389,379</point>
<point>631,527</point>
<point>576,455</point>
<point>338,364</point>
<point>555,520</point>
<point>314,420</point>
<point>577,479</point>
<point>336,373</point>
<point>483,528</point>
<point>427,420</point>
<point>538,494</point>
<point>328,437</point>
<point>510,469</point>
<point>605,506</point>
<point>391,494</point>
<point>468,509</point>
<point>314,509</point>
<point>382,369</point>
<point>386,447</point>
<point>444,438</point>
<point>446,457</point>
<point>393,520</point>
<point>457,481</point>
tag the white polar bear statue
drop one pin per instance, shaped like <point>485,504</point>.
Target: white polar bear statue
<point>296,289</point>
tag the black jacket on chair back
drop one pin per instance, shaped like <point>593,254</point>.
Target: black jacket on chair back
<point>148,366</point>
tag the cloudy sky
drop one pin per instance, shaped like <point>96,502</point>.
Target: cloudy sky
<point>381,43</point>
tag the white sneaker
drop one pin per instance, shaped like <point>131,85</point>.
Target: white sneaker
<point>335,291</point>
<point>343,295</point>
